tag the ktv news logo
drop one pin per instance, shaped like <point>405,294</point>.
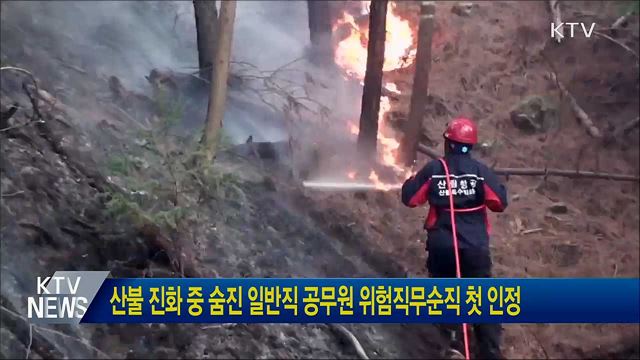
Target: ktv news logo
<point>64,297</point>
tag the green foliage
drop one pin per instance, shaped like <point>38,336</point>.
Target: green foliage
<point>120,206</point>
<point>120,165</point>
<point>224,141</point>
<point>170,218</point>
<point>170,110</point>
<point>161,184</point>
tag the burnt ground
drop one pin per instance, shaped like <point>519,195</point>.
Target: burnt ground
<point>255,231</point>
<point>261,223</point>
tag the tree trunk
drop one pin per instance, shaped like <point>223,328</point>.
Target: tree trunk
<point>206,21</point>
<point>219,75</point>
<point>556,18</point>
<point>367,137</point>
<point>413,126</point>
<point>320,32</point>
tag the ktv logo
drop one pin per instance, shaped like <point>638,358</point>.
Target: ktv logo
<point>64,297</point>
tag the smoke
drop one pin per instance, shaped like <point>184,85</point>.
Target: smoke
<point>270,33</point>
<point>263,37</point>
<point>275,33</point>
<point>126,39</point>
<point>129,38</point>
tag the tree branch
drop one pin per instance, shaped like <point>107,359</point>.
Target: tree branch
<point>348,335</point>
<point>28,73</point>
<point>585,120</point>
<point>621,20</point>
<point>546,171</point>
<point>270,82</point>
<point>37,328</point>
<point>615,134</point>
<point>34,102</point>
<point>628,49</point>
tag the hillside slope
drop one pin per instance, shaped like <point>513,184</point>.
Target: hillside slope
<point>57,177</point>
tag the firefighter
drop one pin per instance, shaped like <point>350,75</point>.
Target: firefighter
<point>475,188</point>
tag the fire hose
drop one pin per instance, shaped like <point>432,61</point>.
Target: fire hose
<point>455,248</point>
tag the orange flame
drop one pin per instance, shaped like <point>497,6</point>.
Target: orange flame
<point>379,184</point>
<point>351,56</point>
<point>353,128</point>
<point>392,87</point>
<point>351,53</point>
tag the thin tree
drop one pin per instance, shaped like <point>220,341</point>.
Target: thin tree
<point>413,126</point>
<point>219,76</point>
<point>320,32</point>
<point>367,137</point>
<point>206,16</point>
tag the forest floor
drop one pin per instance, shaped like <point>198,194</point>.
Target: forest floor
<point>259,222</point>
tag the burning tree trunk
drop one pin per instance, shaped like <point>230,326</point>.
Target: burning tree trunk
<point>206,20</point>
<point>367,137</point>
<point>320,32</point>
<point>413,127</point>
<point>219,75</point>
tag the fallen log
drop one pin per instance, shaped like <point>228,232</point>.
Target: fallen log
<point>565,173</point>
<point>545,172</point>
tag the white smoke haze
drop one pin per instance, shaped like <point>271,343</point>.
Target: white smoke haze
<point>126,38</point>
<point>130,38</point>
<point>270,34</point>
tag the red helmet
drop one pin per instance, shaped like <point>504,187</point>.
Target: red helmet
<point>462,130</point>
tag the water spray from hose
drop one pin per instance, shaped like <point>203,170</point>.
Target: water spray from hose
<point>349,186</point>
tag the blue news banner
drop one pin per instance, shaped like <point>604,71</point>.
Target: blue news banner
<point>364,300</point>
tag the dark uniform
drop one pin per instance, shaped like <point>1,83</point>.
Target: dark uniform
<point>475,188</point>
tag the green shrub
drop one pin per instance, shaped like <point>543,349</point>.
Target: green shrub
<point>160,183</point>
